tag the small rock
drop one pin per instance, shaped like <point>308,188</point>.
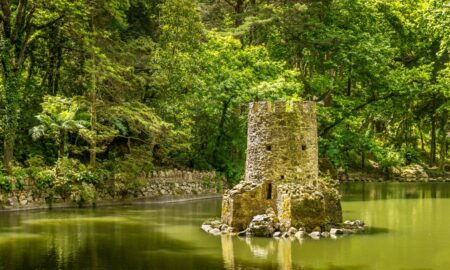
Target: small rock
<point>230,230</point>
<point>276,234</point>
<point>348,231</point>
<point>335,231</point>
<point>285,235</point>
<point>292,231</point>
<point>325,234</point>
<point>23,202</point>
<point>206,227</point>
<point>300,234</point>
<point>215,231</point>
<point>242,233</point>
<point>315,235</point>
<point>359,223</point>
<point>223,227</point>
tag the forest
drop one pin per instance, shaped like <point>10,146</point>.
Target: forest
<point>99,90</point>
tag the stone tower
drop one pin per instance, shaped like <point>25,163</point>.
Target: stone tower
<point>281,169</point>
<point>282,142</point>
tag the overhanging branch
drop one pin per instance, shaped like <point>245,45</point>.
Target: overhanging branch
<point>327,129</point>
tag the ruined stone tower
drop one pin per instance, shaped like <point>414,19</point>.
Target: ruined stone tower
<point>282,142</point>
<point>281,169</point>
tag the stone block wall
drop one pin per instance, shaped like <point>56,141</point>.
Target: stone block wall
<point>244,201</point>
<point>159,185</point>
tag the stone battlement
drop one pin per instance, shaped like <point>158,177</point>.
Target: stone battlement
<point>279,106</point>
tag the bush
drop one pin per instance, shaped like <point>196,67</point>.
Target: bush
<point>206,182</point>
<point>45,179</point>
<point>83,194</point>
<point>20,174</point>
<point>89,177</point>
<point>6,184</point>
<point>126,185</point>
<point>62,187</point>
<point>410,155</point>
<point>69,168</point>
<point>35,161</point>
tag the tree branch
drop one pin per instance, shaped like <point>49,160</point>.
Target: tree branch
<point>5,8</point>
<point>6,17</point>
<point>19,19</point>
<point>327,129</point>
<point>50,23</point>
<point>28,30</point>
<point>230,3</point>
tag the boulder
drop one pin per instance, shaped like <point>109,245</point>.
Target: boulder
<point>300,234</point>
<point>215,231</point>
<point>262,225</point>
<point>413,171</point>
<point>206,227</point>
<point>292,231</point>
<point>277,234</point>
<point>314,235</point>
<point>335,231</point>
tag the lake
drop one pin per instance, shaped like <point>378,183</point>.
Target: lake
<point>409,229</point>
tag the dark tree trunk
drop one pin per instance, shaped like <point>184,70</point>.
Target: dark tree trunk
<point>223,116</point>
<point>433,141</point>
<point>444,126</point>
<point>363,160</point>
<point>62,138</point>
<point>11,117</point>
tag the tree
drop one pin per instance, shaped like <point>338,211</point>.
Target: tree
<point>59,117</point>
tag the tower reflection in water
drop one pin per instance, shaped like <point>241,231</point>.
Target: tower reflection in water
<point>272,254</point>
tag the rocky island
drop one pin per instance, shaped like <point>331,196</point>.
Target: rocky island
<point>282,194</point>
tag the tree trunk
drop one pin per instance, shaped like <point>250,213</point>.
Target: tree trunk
<point>11,117</point>
<point>93,145</point>
<point>239,9</point>
<point>433,133</point>
<point>349,81</point>
<point>93,150</point>
<point>444,126</point>
<point>62,138</point>
<point>363,160</point>
<point>225,106</point>
<point>422,143</point>
<point>433,141</point>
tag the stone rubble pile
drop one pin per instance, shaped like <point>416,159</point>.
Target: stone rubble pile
<point>266,225</point>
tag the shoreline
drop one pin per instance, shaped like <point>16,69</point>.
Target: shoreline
<point>118,203</point>
<point>395,180</point>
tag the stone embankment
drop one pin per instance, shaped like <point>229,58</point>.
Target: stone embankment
<point>165,185</point>
<point>410,173</point>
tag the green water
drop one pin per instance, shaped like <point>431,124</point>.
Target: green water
<point>410,229</point>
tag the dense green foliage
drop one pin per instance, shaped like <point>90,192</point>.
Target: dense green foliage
<point>124,86</point>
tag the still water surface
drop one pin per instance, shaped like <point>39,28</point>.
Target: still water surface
<point>410,229</point>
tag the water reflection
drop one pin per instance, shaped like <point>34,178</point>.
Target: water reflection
<point>385,191</point>
<point>263,249</point>
<point>409,230</point>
